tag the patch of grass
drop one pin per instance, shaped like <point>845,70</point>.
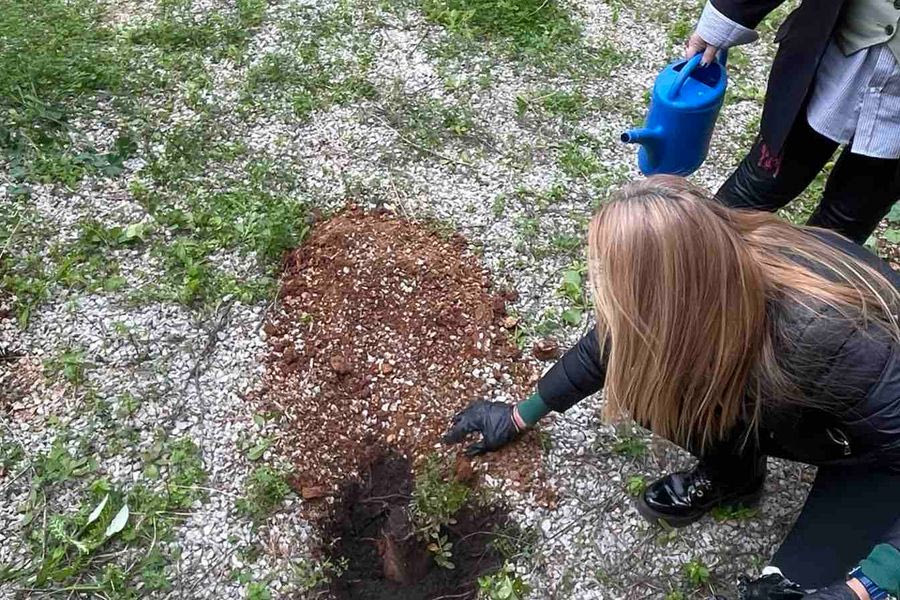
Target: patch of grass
<point>213,33</point>
<point>327,65</point>
<point>55,56</point>
<point>244,215</point>
<point>258,591</point>
<point>558,103</point>
<point>110,545</point>
<point>578,157</point>
<point>265,491</point>
<point>430,123</point>
<point>531,26</point>
<point>305,82</point>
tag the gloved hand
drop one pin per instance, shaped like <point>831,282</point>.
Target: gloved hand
<point>493,420</point>
<point>773,586</point>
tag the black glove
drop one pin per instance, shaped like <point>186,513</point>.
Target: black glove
<point>769,587</point>
<point>493,420</point>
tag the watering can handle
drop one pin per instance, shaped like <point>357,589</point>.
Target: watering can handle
<point>689,68</point>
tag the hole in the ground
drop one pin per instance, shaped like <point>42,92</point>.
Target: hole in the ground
<point>373,531</point>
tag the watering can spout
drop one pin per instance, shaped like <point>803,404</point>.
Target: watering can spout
<point>643,136</point>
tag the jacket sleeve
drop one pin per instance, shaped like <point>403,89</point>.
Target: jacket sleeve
<point>578,374</point>
<point>748,13</point>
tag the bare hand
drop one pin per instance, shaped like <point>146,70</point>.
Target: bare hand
<point>697,44</point>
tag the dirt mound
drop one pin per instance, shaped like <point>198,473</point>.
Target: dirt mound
<point>383,330</point>
<point>363,526</point>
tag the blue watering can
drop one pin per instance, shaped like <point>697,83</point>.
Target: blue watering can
<point>683,110</point>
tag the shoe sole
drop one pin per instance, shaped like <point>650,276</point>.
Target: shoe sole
<point>654,516</point>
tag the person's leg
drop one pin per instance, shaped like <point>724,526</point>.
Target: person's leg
<point>766,182</point>
<point>859,193</point>
<point>846,514</point>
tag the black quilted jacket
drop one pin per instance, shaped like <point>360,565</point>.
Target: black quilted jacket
<point>858,374</point>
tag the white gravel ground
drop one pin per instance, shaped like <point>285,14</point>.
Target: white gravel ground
<point>193,369</point>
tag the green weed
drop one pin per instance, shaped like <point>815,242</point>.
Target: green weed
<point>503,584</point>
<point>578,158</point>
<point>265,490</point>
<point>733,513</point>
<point>84,550</point>
<point>69,364</point>
<point>558,103</point>
<point>635,485</point>
<point>630,444</point>
<point>436,499</point>
<point>696,572</point>
<point>572,288</point>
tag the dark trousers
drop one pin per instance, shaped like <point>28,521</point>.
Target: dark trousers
<point>847,513</point>
<point>859,193</point>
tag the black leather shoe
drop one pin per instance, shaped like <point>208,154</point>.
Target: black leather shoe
<point>682,498</point>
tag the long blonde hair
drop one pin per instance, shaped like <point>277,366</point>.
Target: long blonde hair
<point>683,289</point>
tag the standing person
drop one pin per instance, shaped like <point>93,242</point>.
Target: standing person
<point>739,336</point>
<point>835,81</point>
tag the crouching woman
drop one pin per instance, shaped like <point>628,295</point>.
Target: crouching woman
<point>739,336</point>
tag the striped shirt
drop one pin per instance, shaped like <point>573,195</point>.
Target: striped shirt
<point>855,99</point>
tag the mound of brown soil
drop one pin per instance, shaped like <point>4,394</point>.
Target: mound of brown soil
<point>384,329</point>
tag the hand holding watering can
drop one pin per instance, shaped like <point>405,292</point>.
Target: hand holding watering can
<point>684,106</point>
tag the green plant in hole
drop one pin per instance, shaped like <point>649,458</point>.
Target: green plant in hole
<point>696,572</point>
<point>436,499</point>
<point>308,575</point>
<point>264,492</point>
<point>503,584</point>
<point>635,485</point>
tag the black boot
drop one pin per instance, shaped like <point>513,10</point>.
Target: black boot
<point>682,498</point>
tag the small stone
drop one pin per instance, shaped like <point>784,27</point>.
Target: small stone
<point>510,322</point>
<point>387,368</point>
<point>340,365</point>
<point>312,492</point>
<point>546,349</point>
